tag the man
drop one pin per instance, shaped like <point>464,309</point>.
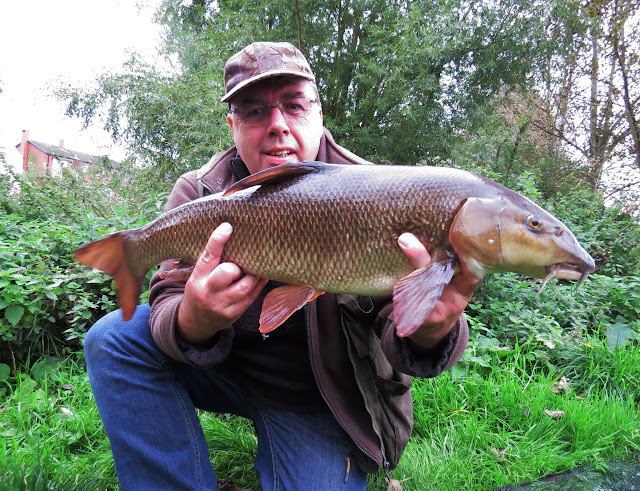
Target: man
<point>328,391</point>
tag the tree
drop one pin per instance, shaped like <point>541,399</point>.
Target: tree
<point>400,79</point>
<point>591,102</point>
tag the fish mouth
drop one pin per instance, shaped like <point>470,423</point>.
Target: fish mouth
<point>567,271</point>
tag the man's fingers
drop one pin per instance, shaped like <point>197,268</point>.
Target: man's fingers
<point>231,280</point>
<point>466,284</point>
<point>249,283</point>
<point>414,250</point>
<point>246,290</point>
<point>210,257</point>
<point>231,303</point>
<point>223,275</point>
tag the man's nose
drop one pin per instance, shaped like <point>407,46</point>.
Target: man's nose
<point>277,121</point>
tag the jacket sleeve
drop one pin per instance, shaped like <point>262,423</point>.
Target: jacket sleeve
<point>166,295</point>
<point>424,364</point>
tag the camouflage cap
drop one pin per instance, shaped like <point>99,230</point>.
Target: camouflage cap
<point>262,60</point>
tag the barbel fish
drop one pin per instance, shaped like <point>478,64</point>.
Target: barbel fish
<point>334,228</point>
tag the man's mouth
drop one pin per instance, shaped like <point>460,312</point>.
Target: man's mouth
<point>282,153</point>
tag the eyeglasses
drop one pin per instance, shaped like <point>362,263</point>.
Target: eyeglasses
<point>259,112</point>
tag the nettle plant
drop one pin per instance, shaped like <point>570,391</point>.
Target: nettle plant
<point>47,300</point>
<point>557,326</point>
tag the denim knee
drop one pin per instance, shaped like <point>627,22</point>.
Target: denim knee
<point>112,332</point>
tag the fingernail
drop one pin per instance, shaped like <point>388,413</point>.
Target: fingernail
<point>404,241</point>
<point>223,229</point>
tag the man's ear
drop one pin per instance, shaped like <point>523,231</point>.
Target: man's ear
<point>230,119</point>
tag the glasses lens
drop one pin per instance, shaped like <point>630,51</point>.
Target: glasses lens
<point>295,108</point>
<point>251,113</point>
<point>291,109</point>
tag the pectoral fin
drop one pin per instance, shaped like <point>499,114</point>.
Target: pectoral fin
<point>282,302</point>
<point>415,295</point>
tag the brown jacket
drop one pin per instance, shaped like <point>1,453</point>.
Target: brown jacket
<point>363,370</point>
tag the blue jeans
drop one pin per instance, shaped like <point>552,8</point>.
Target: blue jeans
<point>147,402</point>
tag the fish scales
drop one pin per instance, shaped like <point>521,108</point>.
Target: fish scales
<point>334,228</point>
<point>323,229</point>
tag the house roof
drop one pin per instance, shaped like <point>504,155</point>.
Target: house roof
<point>61,152</point>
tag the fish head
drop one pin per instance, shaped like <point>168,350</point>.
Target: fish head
<point>511,233</point>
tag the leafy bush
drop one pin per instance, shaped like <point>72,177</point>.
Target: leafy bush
<point>47,301</point>
<point>556,327</point>
<point>44,294</point>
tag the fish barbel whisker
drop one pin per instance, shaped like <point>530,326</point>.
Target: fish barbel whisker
<point>552,272</point>
<point>555,270</point>
<point>583,278</point>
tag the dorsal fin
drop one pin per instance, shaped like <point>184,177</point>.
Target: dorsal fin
<point>272,175</point>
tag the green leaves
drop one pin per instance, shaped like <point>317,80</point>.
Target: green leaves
<point>556,328</point>
<point>13,314</point>
<point>47,301</point>
<point>5,371</point>
<point>621,332</point>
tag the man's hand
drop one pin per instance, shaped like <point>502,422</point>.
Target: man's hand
<point>454,299</point>
<point>216,294</point>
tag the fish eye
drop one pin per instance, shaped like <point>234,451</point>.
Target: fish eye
<point>534,223</point>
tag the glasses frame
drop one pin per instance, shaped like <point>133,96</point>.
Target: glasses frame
<point>269,107</point>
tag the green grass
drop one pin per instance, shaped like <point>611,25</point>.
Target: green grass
<point>51,436</point>
<point>489,430</point>
<point>475,432</point>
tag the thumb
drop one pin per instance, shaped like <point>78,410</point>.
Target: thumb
<point>210,257</point>
<point>414,250</point>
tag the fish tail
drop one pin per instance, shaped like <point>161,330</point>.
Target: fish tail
<point>110,255</point>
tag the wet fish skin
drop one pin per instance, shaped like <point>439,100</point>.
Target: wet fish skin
<point>334,228</point>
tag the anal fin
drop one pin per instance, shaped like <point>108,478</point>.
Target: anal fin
<point>415,295</point>
<point>282,302</point>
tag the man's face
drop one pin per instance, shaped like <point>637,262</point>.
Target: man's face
<point>277,140</point>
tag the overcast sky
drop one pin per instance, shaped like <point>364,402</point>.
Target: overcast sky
<point>43,41</point>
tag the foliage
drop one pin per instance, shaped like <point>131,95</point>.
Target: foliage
<point>478,431</point>
<point>509,144</point>
<point>608,231</point>
<point>44,295</point>
<point>173,122</point>
<point>491,428</point>
<point>47,301</point>
<point>609,137</point>
<point>232,446</point>
<point>554,328</point>
<point>399,80</point>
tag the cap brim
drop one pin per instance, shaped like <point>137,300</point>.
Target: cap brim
<point>262,76</point>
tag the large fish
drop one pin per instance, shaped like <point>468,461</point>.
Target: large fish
<point>334,228</point>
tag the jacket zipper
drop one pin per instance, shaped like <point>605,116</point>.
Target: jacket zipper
<point>385,464</point>
<point>307,321</point>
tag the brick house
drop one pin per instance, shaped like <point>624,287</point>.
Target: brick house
<point>49,160</point>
